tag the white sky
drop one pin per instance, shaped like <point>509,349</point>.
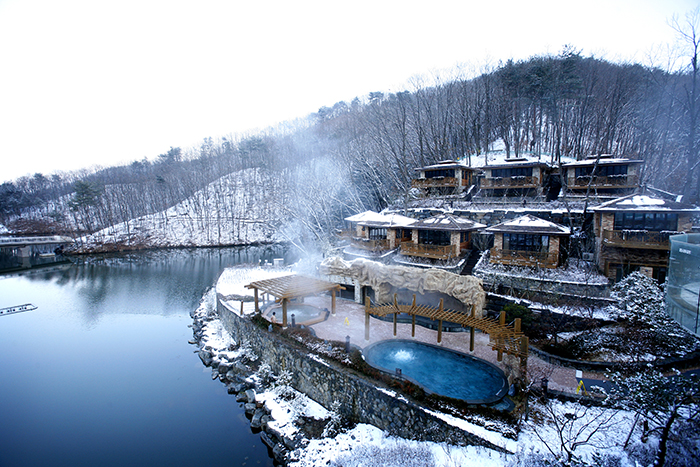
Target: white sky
<point>85,82</point>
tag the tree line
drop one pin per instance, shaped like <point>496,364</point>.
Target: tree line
<point>361,155</point>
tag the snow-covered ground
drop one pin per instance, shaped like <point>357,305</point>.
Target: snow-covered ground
<point>550,430</point>
<point>575,272</point>
<point>229,211</point>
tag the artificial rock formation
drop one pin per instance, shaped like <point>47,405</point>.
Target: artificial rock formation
<point>383,278</point>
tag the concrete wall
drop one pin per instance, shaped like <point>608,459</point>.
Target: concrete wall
<point>361,399</point>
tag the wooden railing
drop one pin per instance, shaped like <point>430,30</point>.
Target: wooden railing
<point>370,245</point>
<point>600,181</point>
<point>429,251</point>
<point>435,182</point>
<point>508,182</point>
<point>525,258</point>
<point>638,239</point>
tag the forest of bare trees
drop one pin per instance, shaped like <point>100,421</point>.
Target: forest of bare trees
<point>360,155</point>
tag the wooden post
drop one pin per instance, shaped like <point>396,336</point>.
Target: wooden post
<point>241,307</point>
<point>440,323</point>
<point>524,349</point>
<point>517,324</point>
<point>471,330</point>
<point>499,340</point>
<point>257,307</point>
<point>413,317</point>
<point>367,319</point>
<point>284,312</point>
<point>396,312</point>
<point>333,302</point>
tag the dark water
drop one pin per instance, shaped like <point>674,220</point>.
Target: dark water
<point>101,374</point>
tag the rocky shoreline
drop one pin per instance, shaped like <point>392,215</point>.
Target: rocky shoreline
<point>237,368</point>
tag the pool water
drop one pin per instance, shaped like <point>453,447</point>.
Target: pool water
<point>302,313</point>
<point>439,370</point>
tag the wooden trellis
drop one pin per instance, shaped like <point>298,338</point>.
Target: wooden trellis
<point>286,288</point>
<point>503,338</point>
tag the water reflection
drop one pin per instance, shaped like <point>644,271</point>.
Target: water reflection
<point>102,374</point>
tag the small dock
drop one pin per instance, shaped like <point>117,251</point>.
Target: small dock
<point>17,309</point>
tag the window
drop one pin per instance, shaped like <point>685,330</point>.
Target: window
<point>525,242</point>
<point>512,172</point>
<point>602,171</point>
<point>654,221</point>
<point>377,234</point>
<point>433,237</point>
<point>463,237</point>
<point>404,234</point>
<point>440,173</point>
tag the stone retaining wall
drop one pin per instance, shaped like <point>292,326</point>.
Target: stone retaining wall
<point>361,399</point>
<point>689,361</point>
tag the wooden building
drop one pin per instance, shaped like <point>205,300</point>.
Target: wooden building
<point>445,178</point>
<point>632,234</point>
<point>514,177</point>
<point>605,175</point>
<point>440,237</point>
<point>374,234</point>
<point>529,241</point>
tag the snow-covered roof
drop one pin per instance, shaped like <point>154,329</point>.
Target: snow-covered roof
<point>530,224</point>
<point>645,203</point>
<point>447,222</point>
<point>590,161</point>
<point>446,164</point>
<point>374,219</point>
<point>520,162</point>
<point>365,216</point>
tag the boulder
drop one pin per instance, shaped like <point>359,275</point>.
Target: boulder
<point>250,394</point>
<point>256,421</point>
<point>206,357</point>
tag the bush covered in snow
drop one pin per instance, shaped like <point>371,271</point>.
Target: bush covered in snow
<point>374,456</point>
<point>645,331</point>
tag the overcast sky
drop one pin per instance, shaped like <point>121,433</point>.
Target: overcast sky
<point>96,82</point>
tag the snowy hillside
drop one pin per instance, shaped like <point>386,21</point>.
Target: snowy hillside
<point>240,208</point>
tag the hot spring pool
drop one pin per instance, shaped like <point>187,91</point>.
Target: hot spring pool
<point>303,313</point>
<point>439,370</point>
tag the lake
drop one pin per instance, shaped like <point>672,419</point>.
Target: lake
<point>101,373</point>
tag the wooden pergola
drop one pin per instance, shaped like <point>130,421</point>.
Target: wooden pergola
<point>286,288</point>
<point>502,337</point>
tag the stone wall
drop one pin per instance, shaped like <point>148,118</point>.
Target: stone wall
<point>361,399</point>
<point>540,287</point>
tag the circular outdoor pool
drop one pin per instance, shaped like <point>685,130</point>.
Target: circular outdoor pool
<point>439,370</point>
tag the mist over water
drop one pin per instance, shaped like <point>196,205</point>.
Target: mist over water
<point>101,373</point>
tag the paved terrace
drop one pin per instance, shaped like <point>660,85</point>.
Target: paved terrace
<point>349,320</point>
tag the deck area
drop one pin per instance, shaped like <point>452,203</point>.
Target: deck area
<point>349,320</point>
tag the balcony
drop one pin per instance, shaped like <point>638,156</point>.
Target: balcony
<point>615,181</point>
<point>429,251</point>
<point>435,182</point>
<point>645,239</point>
<point>509,182</point>
<point>375,245</point>
<point>525,258</point>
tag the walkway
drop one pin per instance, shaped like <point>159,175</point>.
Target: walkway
<point>349,320</point>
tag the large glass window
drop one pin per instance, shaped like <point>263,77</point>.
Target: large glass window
<point>654,221</point>
<point>440,173</point>
<point>525,242</point>
<point>512,172</point>
<point>602,171</point>
<point>377,234</point>
<point>434,237</point>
